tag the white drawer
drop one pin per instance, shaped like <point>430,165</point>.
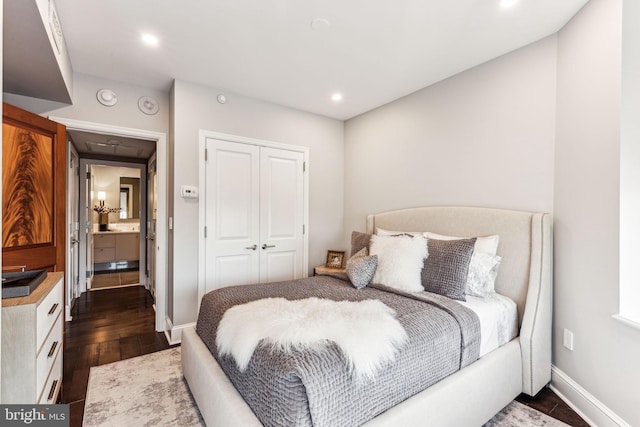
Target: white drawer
<point>104,254</point>
<point>48,353</point>
<point>104,241</point>
<point>49,394</point>
<point>47,312</point>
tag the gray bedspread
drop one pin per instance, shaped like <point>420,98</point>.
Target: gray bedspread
<point>314,388</point>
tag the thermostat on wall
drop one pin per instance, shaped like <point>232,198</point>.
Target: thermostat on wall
<point>189,192</point>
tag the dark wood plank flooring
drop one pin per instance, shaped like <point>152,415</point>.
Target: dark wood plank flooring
<point>117,324</point>
<point>108,325</point>
<point>547,402</point>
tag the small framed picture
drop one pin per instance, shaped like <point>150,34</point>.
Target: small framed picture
<point>335,259</point>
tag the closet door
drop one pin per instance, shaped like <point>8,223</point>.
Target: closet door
<point>254,213</point>
<point>281,214</point>
<point>232,203</point>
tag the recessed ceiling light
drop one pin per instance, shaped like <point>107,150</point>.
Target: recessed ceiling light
<point>337,97</point>
<point>508,3</point>
<point>149,39</point>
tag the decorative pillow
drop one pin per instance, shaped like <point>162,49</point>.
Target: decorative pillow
<point>358,241</point>
<point>445,270</point>
<point>400,260</point>
<point>486,244</point>
<point>361,268</point>
<point>483,270</point>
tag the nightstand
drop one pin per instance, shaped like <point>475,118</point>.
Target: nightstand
<point>322,269</point>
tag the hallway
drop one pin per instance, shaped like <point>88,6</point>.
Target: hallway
<point>107,326</point>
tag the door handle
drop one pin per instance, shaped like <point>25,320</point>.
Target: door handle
<point>74,241</point>
<point>253,248</point>
<point>265,246</point>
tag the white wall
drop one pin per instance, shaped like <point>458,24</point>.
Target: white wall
<point>87,108</point>
<point>537,129</point>
<point>483,137</point>
<point>604,362</point>
<point>629,161</point>
<point>195,108</point>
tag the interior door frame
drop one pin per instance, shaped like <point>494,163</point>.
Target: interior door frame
<point>142,167</point>
<point>73,229</point>
<point>162,222</point>
<point>204,134</point>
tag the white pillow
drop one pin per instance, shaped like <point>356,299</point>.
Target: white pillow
<point>400,261</point>
<point>486,244</point>
<point>483,269</point>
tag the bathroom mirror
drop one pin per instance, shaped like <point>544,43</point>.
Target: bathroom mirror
<point>129,198</point>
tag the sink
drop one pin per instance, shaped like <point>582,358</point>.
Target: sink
<point>21,284</point>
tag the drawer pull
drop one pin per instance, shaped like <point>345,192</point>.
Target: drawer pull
<point>53,308</point>
<point>53,349</point>
<point>52,392</point>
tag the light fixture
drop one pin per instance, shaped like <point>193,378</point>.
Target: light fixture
<point>106,97</point>
<point>149,39</point>
<point>148,105</point>
<point>336,97</point>
<point>221,99</point>
<point>507,3</point>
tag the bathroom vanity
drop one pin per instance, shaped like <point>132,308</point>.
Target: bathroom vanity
<point>115,247</point>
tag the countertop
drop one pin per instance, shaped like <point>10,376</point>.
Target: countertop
<point>38,293</point>
<point>117,232</point>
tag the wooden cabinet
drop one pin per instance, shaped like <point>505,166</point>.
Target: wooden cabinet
<point>128,247</point>
<point>116,247</point>
<point>104,247</point>
<point>32,328</point>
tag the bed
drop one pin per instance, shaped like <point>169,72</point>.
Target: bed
<point>470,396</point>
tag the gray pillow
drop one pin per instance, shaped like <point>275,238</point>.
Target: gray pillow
<point>358,241</point>
<point>445,270</point>
<point>361,268</point>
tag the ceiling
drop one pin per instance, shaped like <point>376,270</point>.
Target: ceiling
<point>105,146</point>
<point>372,52</point>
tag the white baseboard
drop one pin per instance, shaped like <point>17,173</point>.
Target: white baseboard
<point>584,403</point>
<point>174,333</point>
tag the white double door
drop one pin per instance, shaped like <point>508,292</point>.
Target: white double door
<point>254,204</point>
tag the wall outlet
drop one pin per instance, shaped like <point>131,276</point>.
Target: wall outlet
<point>189,192</point>
<point>568,339</point>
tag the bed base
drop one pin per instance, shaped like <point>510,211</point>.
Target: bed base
<point>467,398</point>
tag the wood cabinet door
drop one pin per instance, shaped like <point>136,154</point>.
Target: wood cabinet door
<point>33,191</point>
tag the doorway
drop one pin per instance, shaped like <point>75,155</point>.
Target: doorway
<point>115,249</point>
<point>159,141</point>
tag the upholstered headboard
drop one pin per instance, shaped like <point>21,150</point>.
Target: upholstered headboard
<point>525,273</point>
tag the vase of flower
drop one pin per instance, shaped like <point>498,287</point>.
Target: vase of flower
<point>103,215</point>
<point>103,221</point>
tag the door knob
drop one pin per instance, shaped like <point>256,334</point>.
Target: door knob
<point>265,246</point>
<point>253,248</point>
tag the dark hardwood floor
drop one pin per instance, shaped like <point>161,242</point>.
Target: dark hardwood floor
<point>108,325</point>
<point>547,402</point>
<point>117,324</point>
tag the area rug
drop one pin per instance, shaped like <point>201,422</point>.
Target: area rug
<point>147,390</point>
<point>150,391</point>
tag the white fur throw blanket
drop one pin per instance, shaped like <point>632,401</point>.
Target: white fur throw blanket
<point>367,332</point>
